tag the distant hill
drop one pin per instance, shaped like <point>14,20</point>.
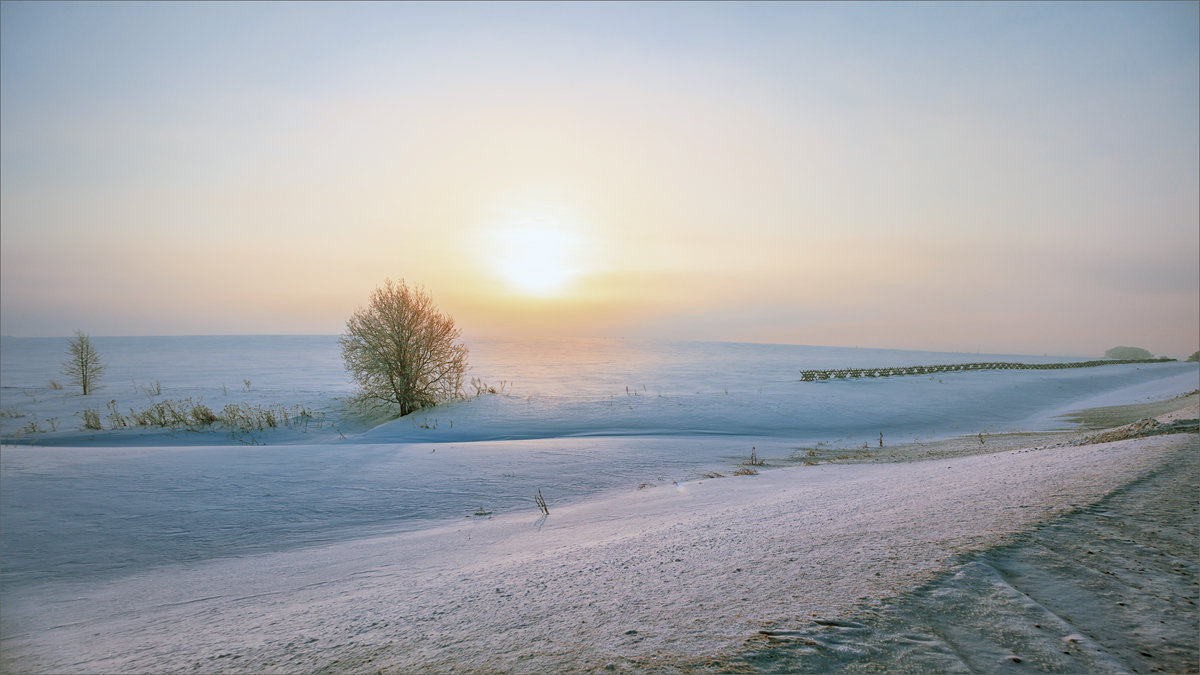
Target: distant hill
<point>1125,353</point>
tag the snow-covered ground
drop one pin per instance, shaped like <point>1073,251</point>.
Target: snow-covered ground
<point>152,550</point>
<point>576,419</point>
<point>563,388</point>
<point>662,577</point>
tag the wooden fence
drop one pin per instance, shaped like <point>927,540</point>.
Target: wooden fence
<point>896,371</point>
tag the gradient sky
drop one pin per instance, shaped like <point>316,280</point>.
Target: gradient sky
<point>1020,178</point>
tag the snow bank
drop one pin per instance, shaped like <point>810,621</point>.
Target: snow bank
<point>640,578</point>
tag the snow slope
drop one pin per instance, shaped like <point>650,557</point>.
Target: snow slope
<point>658,577</point>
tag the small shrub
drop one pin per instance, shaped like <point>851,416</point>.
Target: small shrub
<point>83,366</point>
<point>239,417</point>
<point>150,417</point>
<point>541,502</point>
<point>55,386</point>
<point>203,415</point>
<point>91,419</point>
<point>115,419</point>
<point>753,460</point>
<point>746,471</point>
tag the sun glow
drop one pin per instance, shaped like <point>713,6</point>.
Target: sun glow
<point>537,258</point>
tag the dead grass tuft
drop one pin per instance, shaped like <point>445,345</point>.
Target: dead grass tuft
<point>753,459</point>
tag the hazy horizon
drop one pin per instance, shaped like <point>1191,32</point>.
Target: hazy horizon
<point>1017,178</point>
<point>469,339</point>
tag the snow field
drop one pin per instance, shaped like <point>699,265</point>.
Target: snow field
<point>351,547</point>
<point>658,576</point>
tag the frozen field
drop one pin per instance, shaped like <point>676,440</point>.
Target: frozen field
<point>565,388</point>
<point>589,422</point>
<point>577,418</point>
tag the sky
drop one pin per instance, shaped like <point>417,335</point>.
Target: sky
<point>1008,177</point>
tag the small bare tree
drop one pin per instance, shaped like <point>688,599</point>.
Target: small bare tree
<point>400,349</point>
<point>83,366</point>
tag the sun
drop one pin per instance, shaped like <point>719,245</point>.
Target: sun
<point>537,258</point>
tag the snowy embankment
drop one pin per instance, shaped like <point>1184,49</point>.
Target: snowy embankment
<point>672,576</point>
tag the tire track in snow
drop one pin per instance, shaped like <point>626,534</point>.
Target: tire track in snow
<point>1110,587</point>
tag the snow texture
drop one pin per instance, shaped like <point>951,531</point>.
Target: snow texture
<point>355,547</point>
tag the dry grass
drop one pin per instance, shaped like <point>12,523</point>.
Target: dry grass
<point>753,459</point>
<point>481,388</point>
<point>189,414</point>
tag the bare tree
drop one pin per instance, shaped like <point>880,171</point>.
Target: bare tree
<point>83,366</point>
<point>400,349</point>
